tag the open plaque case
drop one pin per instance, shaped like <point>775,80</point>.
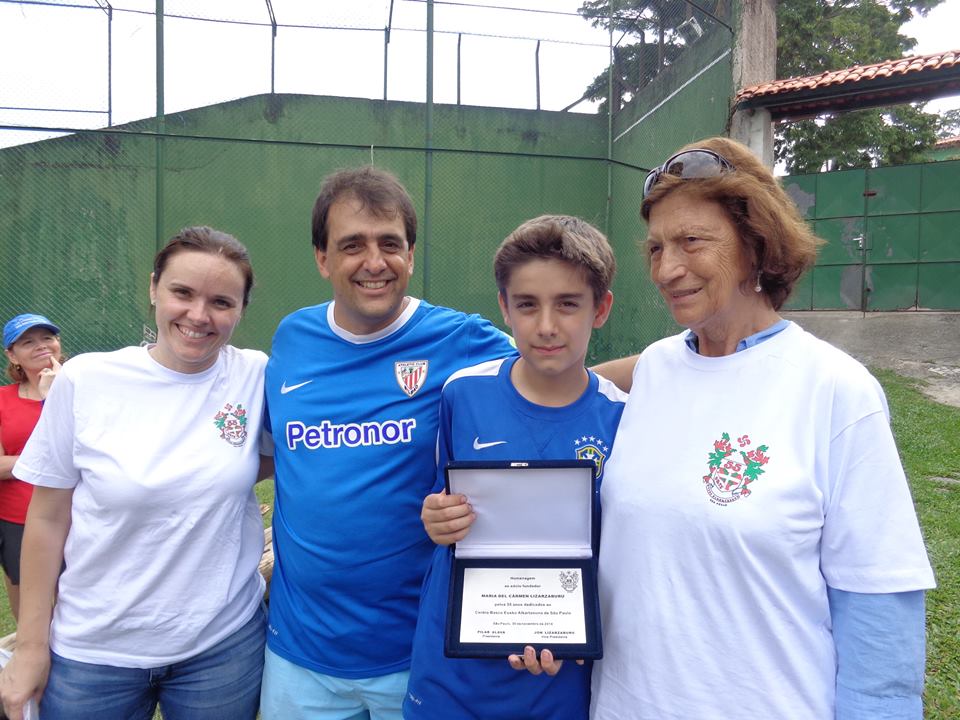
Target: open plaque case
<point>526,572</point>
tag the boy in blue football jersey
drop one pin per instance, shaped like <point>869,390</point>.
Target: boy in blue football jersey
<point>553,274</point>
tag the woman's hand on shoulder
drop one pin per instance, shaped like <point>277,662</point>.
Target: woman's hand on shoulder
<point>446,518</point>
<point>24,678</point>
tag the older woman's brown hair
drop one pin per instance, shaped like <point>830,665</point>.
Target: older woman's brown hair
<point>778,240</point>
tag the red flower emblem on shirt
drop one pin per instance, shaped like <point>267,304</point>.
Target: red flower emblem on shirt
<point>728,478</point>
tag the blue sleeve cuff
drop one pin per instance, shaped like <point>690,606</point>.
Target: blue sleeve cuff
<point>881,651</point>
<point>852,705</point>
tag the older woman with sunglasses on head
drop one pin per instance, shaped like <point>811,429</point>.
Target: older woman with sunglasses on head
<point>761,557</point>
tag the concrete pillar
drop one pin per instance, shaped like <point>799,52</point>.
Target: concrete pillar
<point>755,61</point>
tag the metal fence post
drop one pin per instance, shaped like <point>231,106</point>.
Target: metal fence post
<point>609,124</point>
<point>273,47</point>
<point>158,200</point>
<point>428,170</point>
<point>537,63</point>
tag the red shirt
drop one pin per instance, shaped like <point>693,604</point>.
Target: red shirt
<point>18,417</point>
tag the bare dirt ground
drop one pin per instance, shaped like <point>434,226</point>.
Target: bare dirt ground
<point>942,381</point>
<point>922,345</point>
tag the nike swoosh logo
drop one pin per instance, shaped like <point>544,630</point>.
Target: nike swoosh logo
<point>477,445</point>
<point>284,389</point>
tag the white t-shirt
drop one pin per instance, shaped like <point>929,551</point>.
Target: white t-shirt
<point>739,487</point>
<point>166,536</point>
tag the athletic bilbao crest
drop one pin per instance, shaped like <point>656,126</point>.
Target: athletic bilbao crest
<point>733,469</point>
<point>232,423</point>
<point>411,374</point>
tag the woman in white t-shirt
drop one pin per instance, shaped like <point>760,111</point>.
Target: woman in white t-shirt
<point>144,462</point>
<point>760,553</point>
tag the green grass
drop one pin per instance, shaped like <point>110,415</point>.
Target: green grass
<point>928,435</point>
<point>265,496</point>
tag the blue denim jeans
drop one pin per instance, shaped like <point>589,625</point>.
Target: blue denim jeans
<point>221,683</point>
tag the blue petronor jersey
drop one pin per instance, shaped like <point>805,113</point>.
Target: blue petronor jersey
<point>354,423</point>
<point>483,417</point>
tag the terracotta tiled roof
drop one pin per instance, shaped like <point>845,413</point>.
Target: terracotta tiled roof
<point>900,80</point>
<point>948,142</point>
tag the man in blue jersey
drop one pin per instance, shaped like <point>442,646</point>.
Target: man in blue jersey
<point>553,275</point>
<point>352,390</point>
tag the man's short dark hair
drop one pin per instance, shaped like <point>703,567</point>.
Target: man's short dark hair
<point>377,191</point>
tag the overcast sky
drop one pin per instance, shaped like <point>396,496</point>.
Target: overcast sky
<point>938,31</point>
<point>56,56</point>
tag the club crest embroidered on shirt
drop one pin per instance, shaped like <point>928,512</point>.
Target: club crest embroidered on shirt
<point>411,374</point>
<point>232,423</point>
<point>733,469</point>
<point>592,448</point>
<point>569,579</point>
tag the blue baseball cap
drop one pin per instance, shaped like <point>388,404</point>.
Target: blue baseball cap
<point>21,323</point>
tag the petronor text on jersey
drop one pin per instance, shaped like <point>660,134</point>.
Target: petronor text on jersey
<point>331,435</point>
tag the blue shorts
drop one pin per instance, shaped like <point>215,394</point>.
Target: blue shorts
<point>221,683</point>
<point>291,692</point>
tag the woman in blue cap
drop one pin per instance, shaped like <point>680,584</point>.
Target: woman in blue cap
<point>32,344</point>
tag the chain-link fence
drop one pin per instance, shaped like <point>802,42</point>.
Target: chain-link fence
<point>261,98</point>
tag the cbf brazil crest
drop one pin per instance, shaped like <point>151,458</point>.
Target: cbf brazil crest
<point>592,448</point>
<point>411,374</point>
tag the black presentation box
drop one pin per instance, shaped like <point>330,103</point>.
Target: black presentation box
<point>526,573</point>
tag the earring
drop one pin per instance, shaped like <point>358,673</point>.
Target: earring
<point>758,287</point>
<point>18,368</point>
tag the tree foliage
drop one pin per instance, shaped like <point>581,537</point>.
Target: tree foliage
<point>949,124</point>
<point>813,36</point>
<point>818,35</point>
<point>862,138</point>
<point>655,23</point>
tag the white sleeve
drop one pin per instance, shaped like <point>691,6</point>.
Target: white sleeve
<point>47,459</point>
<point>871,540</point>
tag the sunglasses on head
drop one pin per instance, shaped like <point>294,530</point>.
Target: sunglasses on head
<point>694,164</point>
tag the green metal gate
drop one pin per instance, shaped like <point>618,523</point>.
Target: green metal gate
<point>893,238</point>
